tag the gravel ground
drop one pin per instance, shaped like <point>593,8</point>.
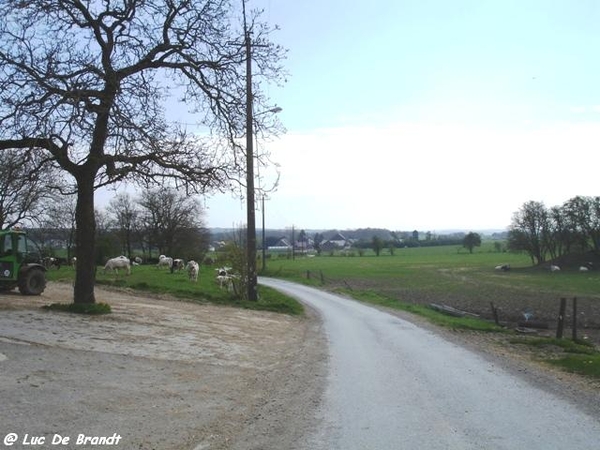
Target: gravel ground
<point>162,374</point>
<point>166,374</point>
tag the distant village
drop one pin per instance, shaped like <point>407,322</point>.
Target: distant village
<point>318,241</point>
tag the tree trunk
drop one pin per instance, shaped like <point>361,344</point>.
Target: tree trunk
<point>85,241</point>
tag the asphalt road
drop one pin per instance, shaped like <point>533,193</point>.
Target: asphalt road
<point>393,385</point>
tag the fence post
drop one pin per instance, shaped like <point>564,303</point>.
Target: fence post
<point>561,318</point>
<point>495,313</point>
<point>574,318</point>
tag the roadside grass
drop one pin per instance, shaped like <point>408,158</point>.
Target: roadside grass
<point>579,356</point>
<point>162,282</point>
<point>588,365</point>
<point>436,317</point>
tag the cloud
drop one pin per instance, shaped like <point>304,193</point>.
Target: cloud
<point>434,175</point>
<point>588,109</point>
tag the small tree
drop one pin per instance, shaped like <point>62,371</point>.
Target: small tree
<point>472,240</point>
<point>125,215</point>
<point>377,244</point>
<point>318,240</point>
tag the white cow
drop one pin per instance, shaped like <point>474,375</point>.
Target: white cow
<point>120,262</point>
<point>193,269</point>
<point>554,268</point>
<point>225,278</point>
<point>164,261</point>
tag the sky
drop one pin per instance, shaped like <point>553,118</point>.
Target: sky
<point>428,114</point>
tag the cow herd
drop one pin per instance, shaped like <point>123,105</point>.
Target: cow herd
<point>224,276</point>
<point>553,267</point>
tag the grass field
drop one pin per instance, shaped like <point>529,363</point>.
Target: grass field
<point>147,278</point>
<point>452,276</point>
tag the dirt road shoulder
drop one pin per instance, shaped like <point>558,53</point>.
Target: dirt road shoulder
<point>159,373</point>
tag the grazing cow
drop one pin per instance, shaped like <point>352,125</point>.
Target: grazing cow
<point>503,267</point>
<point>583,268</point>
<point>120,262</point>
<point>178,264</point>
<point>554,268</point>
<point>137,260</point>
<point>49,261</point>
<point>193,269</point>
<point>224,278</point>
<point>54,262</point>
<point>164,261</point>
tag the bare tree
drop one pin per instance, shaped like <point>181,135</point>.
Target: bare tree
<point>526,230</point>
<point>583,215</point>
<point>558,239</point>
<point>25,189</point>
<point>59,222</point>
<point>125,215</point>
<point>174,223</point>
<point>87,83</point>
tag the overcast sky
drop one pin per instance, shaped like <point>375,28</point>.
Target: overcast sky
<point>429,114</point>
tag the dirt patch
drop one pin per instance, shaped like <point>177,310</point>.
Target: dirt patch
<point>160,373</point>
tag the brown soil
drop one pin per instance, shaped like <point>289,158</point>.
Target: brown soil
<point>515,306</point>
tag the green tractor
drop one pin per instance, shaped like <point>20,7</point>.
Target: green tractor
<point>20,264</point>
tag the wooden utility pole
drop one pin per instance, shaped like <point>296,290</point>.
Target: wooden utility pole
<point>251,217</point>
<point>264,242</point>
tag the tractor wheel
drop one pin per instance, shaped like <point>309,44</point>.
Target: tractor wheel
<point>33,282</point>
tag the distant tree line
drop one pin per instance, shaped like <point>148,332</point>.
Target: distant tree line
<point>160,221</point>
<point>550,233</point>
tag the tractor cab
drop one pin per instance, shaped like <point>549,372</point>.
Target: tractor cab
<point>20,263</point>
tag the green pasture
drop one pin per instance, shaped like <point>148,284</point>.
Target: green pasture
<point>147,278</point>
<point>436,271</point>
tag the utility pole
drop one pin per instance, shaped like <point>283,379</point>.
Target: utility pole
<point>264,243</point>
<point>293,243</point>
<point>251,217</point>
<point>252,293</point>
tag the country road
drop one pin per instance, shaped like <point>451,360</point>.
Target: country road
<point>393,385</point>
